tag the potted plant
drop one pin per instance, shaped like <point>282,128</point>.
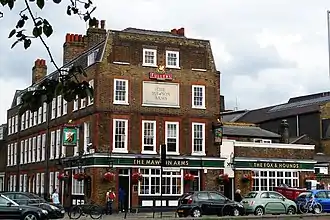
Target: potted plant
<point>80,176</point>
<point>62,176</point>
<point>246,178</point>
<point>109,176</point>
<point>188,177</point>
<point>222,179</point>
<point>136,177</point>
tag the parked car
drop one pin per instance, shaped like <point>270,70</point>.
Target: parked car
<point>268,202</point>
<point>11,210</point>
<point>25,198</point>
<point>201,203</point>
<point>320,196</point>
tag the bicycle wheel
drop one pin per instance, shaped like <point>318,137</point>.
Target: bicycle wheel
<point>303,207</point>
<point>96,212</point>
<point>317,208</point>
<point>75,212</point>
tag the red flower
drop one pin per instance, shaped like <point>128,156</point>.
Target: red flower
<point>79,176</point>
<point>137,177</point>
<point>189,177</point>
<point>246,178</point>
<point>109,176</point>
<point>223,178</point>
<point>63,176</point>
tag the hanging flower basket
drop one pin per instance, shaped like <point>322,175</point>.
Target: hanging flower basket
<point>188,177</point>
<point>136,177</point>
<point>63,177</point>
<point>109,176</point>
<point>222,179</point>
<point>80,176</point>
<point>246,178</point>
<point>310,177</point>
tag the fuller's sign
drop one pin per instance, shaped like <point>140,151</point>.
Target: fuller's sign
<point>156,162</point>
<point>160,74</point>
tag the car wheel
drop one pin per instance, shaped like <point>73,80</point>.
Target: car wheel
<point>196,213</point>
<point>291,210</point>
<point>30,216</point>
<point>235,212</point>
<point>259,211</point>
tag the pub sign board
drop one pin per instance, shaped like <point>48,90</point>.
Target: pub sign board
<point>156,162</point>
<point>69,136</point>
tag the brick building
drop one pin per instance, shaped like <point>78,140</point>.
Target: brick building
<point>3,153</point>
<point>151,88</point>
<point>258,154</point>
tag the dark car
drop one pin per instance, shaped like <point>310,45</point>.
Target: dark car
<point>25,198</point>
<point>201,203</point>
<point>11,210</point>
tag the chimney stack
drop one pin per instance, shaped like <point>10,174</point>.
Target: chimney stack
<point>74,45</point>
<point>284,132</point>
<point>178,32</point>
<point>96,34</point>
<point>39,70</point>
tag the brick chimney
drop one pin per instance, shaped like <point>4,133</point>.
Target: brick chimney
<point>179,32</point>
<point>96,33</point>
<point>74,45</point>
<point>39,70</point>
<point>284,132</point>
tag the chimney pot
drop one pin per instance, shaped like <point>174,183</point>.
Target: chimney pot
<point>36,63</point>
<point>67,38</point>
<point>102,24</point>
<point>181,32</point>
<point>80,38</point>
<point>97,24</point>
<point>174,31</point>
<point>76,37</point>
<point>71,37</point>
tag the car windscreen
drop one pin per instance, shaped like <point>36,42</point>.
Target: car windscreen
<point>305,195</point>
<point>251,195</point>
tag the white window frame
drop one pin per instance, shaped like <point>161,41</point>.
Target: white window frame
<point>44,112</point>
<point>8,155</point>
<point>58,144</point>
<point>51,182</point>
<point>154,137</point>
<point>43,147</point>
<point>87,137</point>
<point>57,182</point>
<point>40,115</point>
<point>53,115</point>
<point>14,182</point>
<point>75,104</point>
<point>154,64</point>
<point>23,121</point>
<point>38,183</point>
<point>22,152</point>
<point>42,181</point>
<point>157,175</point>
<point>38,148</point>
<point>278,179</point>
<point>9,126</point>
<point>27,116</point>
<point>15,154</point>
<point>120,102</point>
<point>65,107</point>
<point>30,150</point>
<point>34,149</point>
<point>91,58</point>
<point>52,145</point>
<point>35,118</point>
<point>83,103</point>
<point>90,100</point>
<point>193,152</point>
<point>59,106</point>
<point>16,123</point>
<point>120,150</point>
<point>76,148</point>
<point>26,151</point>
<point>24,183</point>
<point>177,133</point>
<point>77,186</point>
<point>193,96</point>
<point>177,54</point>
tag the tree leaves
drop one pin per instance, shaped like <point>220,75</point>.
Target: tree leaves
<point>48,30</point>
<point>37,31</point>
<point>12,33</point>
<point>27,43</point>
<point>41,3</point>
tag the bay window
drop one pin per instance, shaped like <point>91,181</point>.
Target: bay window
<point>266,180</point>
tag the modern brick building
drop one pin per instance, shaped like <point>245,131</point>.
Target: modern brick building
<point>151,88</point>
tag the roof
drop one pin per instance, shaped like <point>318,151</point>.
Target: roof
<point>151,32</point>
<point>248,131</point>
<point>232,116</point>
<point>295,106</point>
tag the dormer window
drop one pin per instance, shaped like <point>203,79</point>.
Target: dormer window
<point>150,57</point>
<point>172,59</point>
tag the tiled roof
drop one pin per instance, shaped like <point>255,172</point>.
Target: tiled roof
<point>151,32</point>
<point>248,131</point>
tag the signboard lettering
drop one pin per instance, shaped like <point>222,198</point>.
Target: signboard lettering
<point>160,94</point>
<point>156,162</point>
<point>276,165</point>
<point>160,74</point>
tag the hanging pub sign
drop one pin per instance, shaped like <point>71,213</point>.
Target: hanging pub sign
<point>218,132</point>
<point>160,74</point>
<point>69,136</point>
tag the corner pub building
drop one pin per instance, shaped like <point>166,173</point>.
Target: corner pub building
<point>150,88</point>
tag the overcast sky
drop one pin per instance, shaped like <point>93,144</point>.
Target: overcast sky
<point>267,50</point>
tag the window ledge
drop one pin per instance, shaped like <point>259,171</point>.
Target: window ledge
<point>198,70</point>
<point>173,153</point>
<point>120,103</point>
<point>149,65</point>
<point>197,107</point>
<point>148,152</point>
<point>125,151</point>
<point>121,63</point>
<point>160,106</point>
<point>198,154</point>
<point>173,67</point>
<point>74,110</point>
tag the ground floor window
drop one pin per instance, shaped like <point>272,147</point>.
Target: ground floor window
<point>264,180</point>
<point>172,182</point>
<point>77,186</point>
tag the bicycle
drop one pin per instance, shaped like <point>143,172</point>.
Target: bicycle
<point>93,210</point>
<point>310,206</point>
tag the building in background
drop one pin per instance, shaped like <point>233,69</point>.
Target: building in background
<point>151,88</point>
<point>3,156</point>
